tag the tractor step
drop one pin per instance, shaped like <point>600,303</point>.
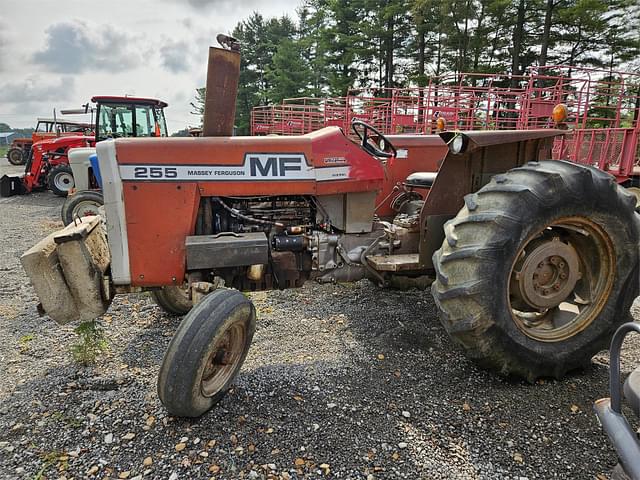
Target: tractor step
<point>395,263</point>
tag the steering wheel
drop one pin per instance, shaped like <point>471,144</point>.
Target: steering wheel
<point>368,145</point>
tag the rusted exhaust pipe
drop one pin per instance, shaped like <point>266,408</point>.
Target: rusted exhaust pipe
<point>223,74</point>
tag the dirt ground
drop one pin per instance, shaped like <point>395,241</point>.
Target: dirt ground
<point>341,382</point>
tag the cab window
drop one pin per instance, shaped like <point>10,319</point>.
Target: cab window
<point>162,124</point>
<point>115,121</point>
<point>145,123</point>
<point>43,127</point>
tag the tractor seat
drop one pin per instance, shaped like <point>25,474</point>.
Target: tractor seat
<point>632,390</point>
<point>421,179</point>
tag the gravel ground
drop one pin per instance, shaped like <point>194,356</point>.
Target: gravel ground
<point>341,381</point>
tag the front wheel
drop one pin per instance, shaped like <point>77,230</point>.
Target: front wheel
<point>16,156</point>
<point>81,204</point>
<point>60,180</point>
<point>206,353</point>
<point>539,268</point>
<point>173,299</point>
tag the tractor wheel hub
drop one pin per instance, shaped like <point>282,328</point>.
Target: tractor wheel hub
<point>549,274</point>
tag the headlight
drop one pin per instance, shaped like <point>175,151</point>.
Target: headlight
<point>458,144</point>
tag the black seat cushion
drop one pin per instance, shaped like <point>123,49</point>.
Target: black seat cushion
<point>421,179</point>
<point>632,390</point>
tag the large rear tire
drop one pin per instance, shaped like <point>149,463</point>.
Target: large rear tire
<point>206,353</point>
<point>60,180</point>
<point>174,300</point>
<point>16,156</point>
<point>81,204</point>
<point>539,268</point>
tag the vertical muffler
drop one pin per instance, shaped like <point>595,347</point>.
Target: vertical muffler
<point>223,74</point>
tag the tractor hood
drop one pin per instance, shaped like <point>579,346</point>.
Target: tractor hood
<point>66,141</point>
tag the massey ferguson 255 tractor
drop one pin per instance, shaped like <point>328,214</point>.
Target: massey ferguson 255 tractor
<point>535,261</point>
<point>116,117</point>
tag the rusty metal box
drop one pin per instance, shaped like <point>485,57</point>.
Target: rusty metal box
<point>227,250</point>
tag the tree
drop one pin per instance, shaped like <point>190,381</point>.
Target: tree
<point>197,105</point>
<point>260,40</point>
<point>288,75</point>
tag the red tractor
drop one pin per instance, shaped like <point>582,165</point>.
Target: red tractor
<point>535,261</point>
<point>116,117</point>
<point>20,149</point>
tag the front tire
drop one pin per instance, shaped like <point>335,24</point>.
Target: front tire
<point>60,180</point>
<point>16,156</point>
<point>174,300</point>
<point>539,268</point>
<point>206,353</point>
<point>81,204</point>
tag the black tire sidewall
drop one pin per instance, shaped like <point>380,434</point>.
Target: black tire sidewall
<point>167,300</point>
<point>21,153</point>
<point>184,362</point>
<point>578,348</point>
<point>71,202</point>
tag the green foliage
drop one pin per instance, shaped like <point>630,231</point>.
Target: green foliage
<point>24,342</point>
<point>181,133</point>
<point>288,73</point>
<point>90,344</point>
<point>197,105</point>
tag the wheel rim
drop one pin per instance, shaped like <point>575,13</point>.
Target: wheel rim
<point>561,279</point>
<point>85,208</point>
<point>63,181</point>
<point>15,156</point>
<point>224,358</point>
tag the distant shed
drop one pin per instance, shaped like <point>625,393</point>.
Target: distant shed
<point>4,137</point>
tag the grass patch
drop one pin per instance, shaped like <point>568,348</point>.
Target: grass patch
<point>91,343</point>
<point>24,342</point>
<point>50,459</point>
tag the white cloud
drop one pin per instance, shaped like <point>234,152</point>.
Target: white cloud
<point>37,89</point>
<point>175,56</point>
<point>77,46</point>
<point>149,48</point>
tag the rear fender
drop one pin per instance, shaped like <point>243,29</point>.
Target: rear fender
<point>480,156</point>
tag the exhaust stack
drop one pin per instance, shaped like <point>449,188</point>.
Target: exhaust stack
<point>223,74</point>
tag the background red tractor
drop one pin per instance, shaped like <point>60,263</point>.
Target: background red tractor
<point>116,117</point>
<point>46,128</point>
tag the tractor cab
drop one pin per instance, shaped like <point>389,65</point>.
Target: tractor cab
<point>118,117</point>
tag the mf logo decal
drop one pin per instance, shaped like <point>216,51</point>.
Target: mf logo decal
<point>256,166</point>
<point>269,165</point>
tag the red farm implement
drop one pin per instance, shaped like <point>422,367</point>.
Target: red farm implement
<point>602,111</point>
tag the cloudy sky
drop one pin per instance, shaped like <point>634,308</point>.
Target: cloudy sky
<point>58,54</point>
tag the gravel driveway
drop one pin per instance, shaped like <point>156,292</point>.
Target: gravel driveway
<point>341,381</point>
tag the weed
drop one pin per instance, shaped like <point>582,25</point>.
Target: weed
<point>24,342</point>
<point>48,460</point>
<point>90,344</point>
